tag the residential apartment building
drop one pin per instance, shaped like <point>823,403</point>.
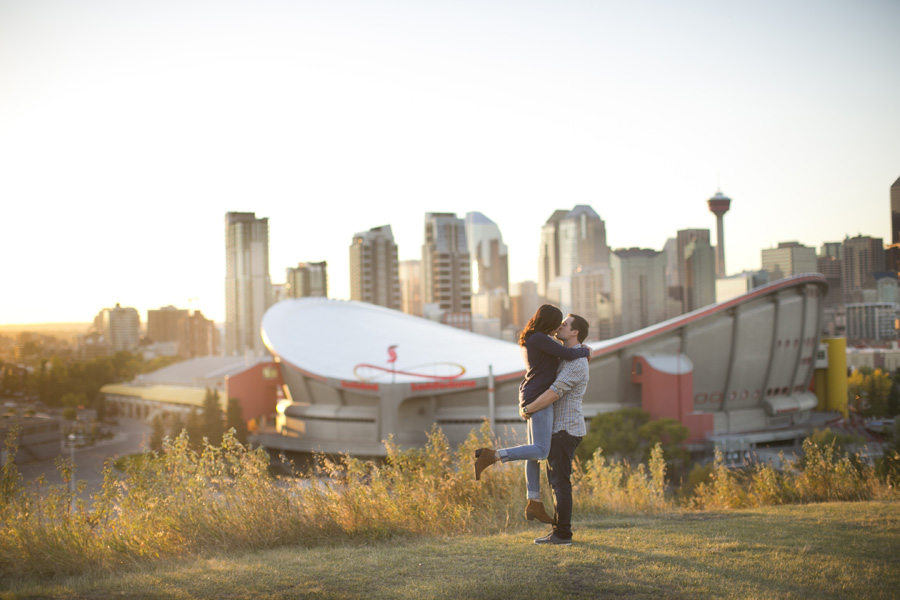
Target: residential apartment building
<point>197,336</point>
<point>788,259</point>
<point>861,258</point>
<point>574,271</point>
<point>411,287</point>
<point>308,279</point>
<point>489,254</point>
<point>446,269</point>
<point>119,328</point>
<point>162,323</point>
<point>872,321</point>
<point>375,268</point>
<point>696,270</point>
<point>639,289</point>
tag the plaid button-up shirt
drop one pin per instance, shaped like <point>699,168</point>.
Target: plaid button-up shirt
<point>571,384</point>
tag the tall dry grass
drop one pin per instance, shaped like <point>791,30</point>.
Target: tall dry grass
<point>182,502</point>
<point>822,474</point>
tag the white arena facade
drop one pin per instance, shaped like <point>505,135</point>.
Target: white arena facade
<point>735,372</point>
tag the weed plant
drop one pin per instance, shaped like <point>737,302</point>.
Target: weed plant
<point>183,502</point>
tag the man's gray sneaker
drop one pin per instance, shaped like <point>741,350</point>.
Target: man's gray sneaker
<point>552,538</point>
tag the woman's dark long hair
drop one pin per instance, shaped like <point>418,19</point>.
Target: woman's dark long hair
<point>546,320</point>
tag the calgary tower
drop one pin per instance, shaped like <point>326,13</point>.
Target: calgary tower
<point>719,205</point>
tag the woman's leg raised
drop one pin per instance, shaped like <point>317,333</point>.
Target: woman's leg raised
<point>540,427</point>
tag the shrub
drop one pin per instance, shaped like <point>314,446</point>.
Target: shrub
<point>723,490</point>
<point>617,487</point>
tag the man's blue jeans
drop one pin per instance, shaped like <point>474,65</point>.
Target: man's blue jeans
<point>539,428</point>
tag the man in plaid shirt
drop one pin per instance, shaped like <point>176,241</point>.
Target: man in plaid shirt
<point>565,394</point>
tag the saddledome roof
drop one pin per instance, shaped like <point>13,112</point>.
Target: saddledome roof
<point>350,340</point>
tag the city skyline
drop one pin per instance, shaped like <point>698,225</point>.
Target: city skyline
<point>121,154</point>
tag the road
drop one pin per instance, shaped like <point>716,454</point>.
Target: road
<point>131,437</point>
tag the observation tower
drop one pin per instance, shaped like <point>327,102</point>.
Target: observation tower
<point>719,205</point>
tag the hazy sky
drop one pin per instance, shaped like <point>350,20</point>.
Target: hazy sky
<point>129,128</point>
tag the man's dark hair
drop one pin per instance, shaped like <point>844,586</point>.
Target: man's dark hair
<point>580,325</point>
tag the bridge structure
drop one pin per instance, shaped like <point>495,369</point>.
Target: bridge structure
<point>355,374</point>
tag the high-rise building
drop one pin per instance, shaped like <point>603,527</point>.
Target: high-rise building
<point>411,287</point>
<point>888,288</point>
<point>162,323</point>
<point>892,258</point>
<point>494,307</point>
<point>895,212</point>
<point>719,205</point>
<point>638,289</point>
<point>700,274</point>
<point>120,327</point>
<point>674,291</point>
<point>694,272</point>
<point>574,266</point>
<point>673,277</point>
<point>488,253</point>
<point>590,299</point>
<point>247,282</point>
<point>788,259</point>
<point>828,263</point>
<point>872,321</point>
<point>308,279</point>
<point>375,268</point>
<point>582,241</point>
<point>524,302</point>
<point>446,268</point>
<point>197,336</point>
<point>861,257</point>
<point>548,256</point>
<point>831,249</point>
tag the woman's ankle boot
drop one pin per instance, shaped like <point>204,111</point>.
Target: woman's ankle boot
<point>535,510</point>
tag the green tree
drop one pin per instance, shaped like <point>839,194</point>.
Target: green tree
<point>629,434</point>
<point>177,426</point>
<point>616,433</point>
<point>74,400</point>
<point>869,391</point>
<point>671,435</point>
<point>157,433</point>
<point>212,418</point>
<point>100,405</point>
<point>234,419</point>
<point>893,401</point>
<point>194,427</point>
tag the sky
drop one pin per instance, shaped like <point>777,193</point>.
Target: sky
<point>128,128</point>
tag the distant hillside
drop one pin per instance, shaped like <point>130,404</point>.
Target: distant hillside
<point>54,329</point>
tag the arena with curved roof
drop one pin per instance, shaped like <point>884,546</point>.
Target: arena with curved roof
<point>356,373</point>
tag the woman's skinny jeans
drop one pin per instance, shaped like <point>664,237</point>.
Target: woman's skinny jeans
<point>540,428</point>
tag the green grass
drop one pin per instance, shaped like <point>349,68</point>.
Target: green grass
<point>829,550</point>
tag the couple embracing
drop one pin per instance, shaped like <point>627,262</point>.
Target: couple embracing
<point>550,400</point>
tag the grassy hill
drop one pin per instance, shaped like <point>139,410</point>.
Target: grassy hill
<point>829,550</point>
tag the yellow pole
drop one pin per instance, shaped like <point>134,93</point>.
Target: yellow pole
<point>820,378</point>
<point>836,377</point>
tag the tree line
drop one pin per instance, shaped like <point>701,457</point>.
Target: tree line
<point>208,423</point>
<point>58,382</point>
